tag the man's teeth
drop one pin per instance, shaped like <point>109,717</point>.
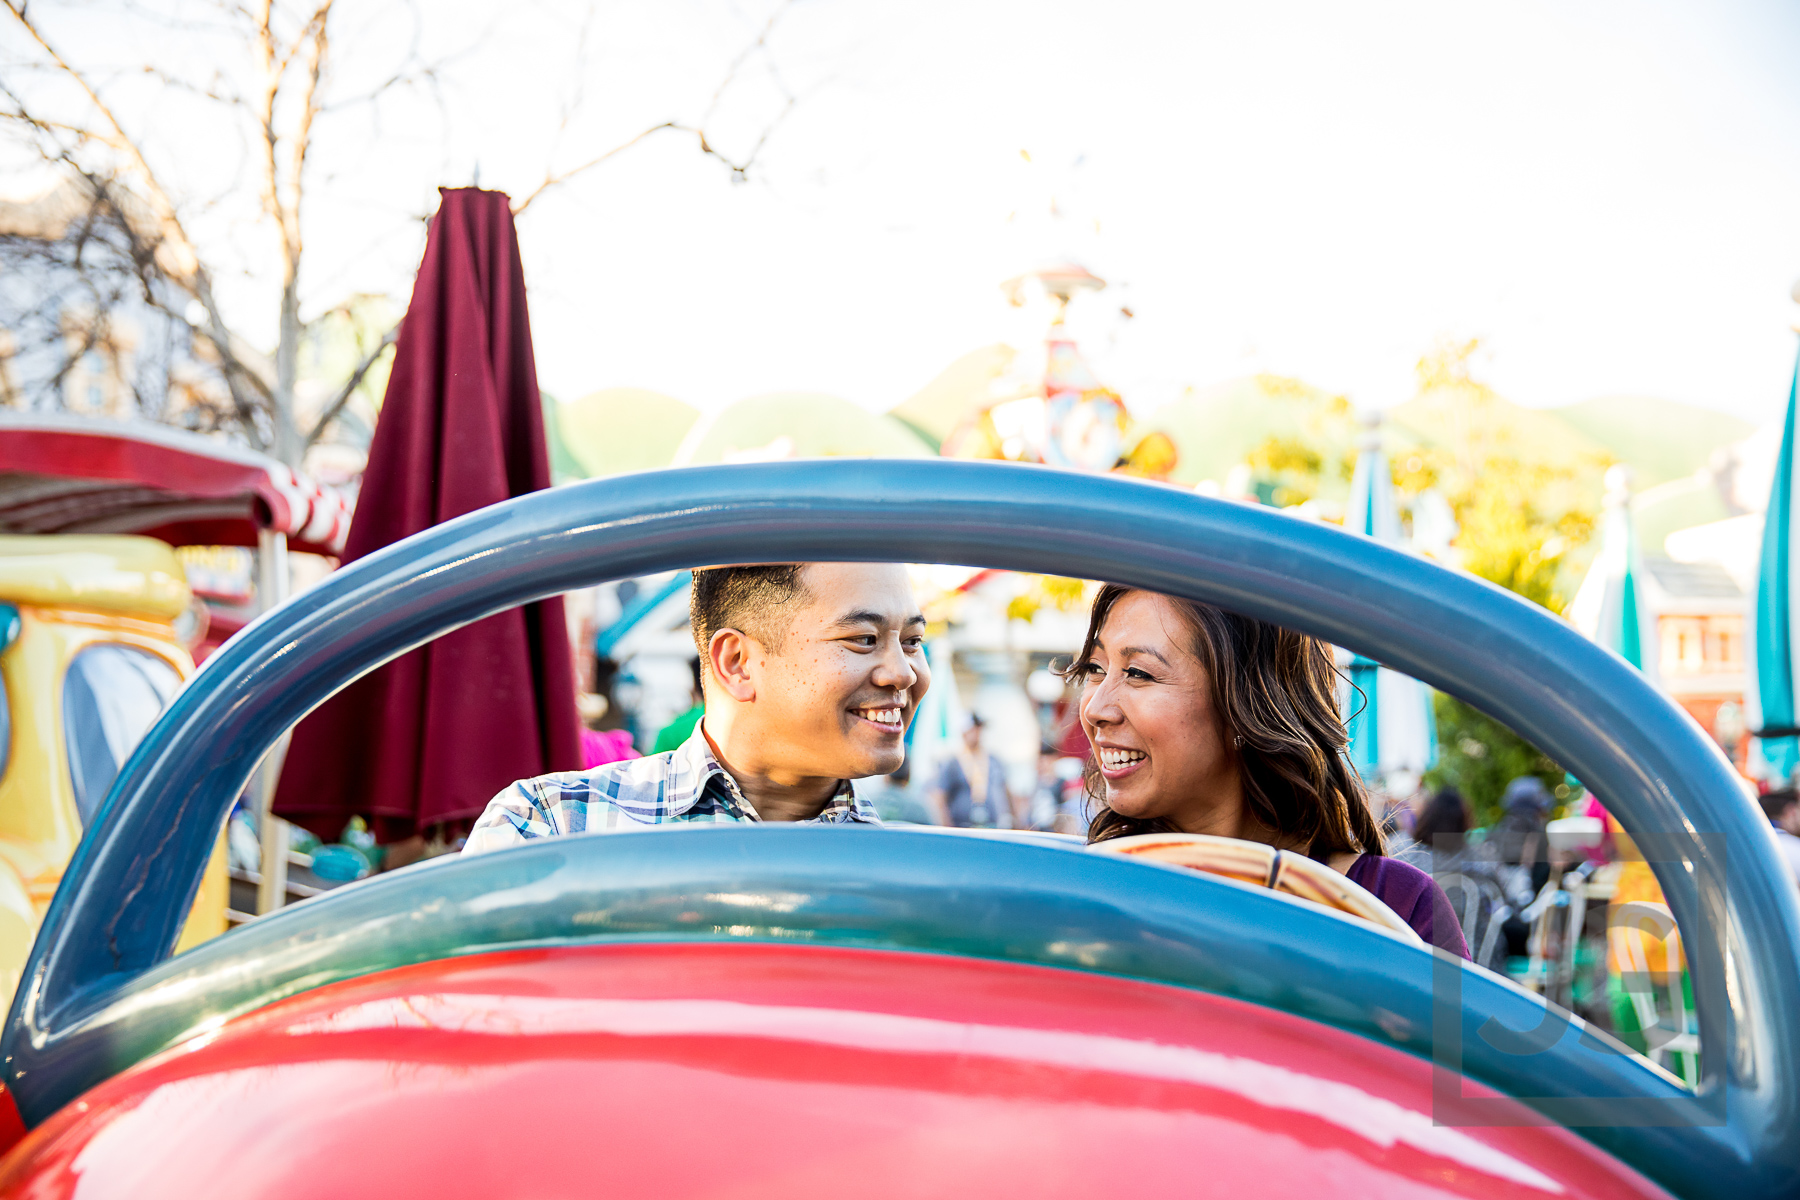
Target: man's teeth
<point>881,716</point>
<point>1120,758</point>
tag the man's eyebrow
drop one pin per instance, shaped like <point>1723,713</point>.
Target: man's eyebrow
<point>879,620</point>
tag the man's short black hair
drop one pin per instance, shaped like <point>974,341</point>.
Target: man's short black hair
<point>1776,802</point>
<point>759,601</point>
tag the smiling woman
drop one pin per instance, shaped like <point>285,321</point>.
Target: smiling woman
<point>1207,722</point>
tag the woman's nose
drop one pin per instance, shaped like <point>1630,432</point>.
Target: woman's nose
<point>1098,706</point>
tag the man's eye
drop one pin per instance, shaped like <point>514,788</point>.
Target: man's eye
<point>913,644</point>
<point>868,640</point>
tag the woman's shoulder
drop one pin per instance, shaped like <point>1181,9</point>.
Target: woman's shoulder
<point>1382,874</point>
<point>1415,895</point>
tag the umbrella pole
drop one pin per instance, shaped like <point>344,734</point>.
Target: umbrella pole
<point>272,831</point>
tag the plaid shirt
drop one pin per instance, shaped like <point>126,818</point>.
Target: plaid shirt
<point>684,784</point>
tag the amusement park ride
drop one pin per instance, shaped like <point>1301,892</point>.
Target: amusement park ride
<point>802,1011</point>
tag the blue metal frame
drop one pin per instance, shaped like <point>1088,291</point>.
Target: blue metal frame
<point>121,905</point>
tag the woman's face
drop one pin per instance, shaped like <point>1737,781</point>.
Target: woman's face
<point>1146,704</point>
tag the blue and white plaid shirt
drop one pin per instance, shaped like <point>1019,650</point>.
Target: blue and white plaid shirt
<point>683,784</point>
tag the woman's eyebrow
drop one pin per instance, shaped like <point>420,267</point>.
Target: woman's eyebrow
<point>1128,651</point>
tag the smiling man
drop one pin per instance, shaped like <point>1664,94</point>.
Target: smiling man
<point>811,672</point>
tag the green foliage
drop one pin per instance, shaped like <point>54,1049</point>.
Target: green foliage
<point>1479,756</point>
<point>1508,539</point>
<point>1524,506</point>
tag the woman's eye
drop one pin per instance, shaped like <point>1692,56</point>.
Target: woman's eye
<point>1136,673</point>
<point>1089,670</point>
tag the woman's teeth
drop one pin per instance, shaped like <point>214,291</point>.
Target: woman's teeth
<point>1115,759</point>
<point>881,716</point>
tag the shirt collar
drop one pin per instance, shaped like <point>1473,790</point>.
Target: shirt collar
<point>694,760</point>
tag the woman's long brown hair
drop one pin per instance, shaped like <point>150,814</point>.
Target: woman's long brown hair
<point>1277,690</point>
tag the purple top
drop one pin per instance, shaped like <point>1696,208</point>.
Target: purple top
<point>1413,894</point>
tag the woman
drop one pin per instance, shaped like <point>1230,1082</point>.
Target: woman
<point>1203,721</point>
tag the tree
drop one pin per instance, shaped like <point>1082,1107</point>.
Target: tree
<point>143,235</point>
<point>1523,508</point>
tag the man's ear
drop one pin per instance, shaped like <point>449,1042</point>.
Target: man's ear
<point>728,658</point>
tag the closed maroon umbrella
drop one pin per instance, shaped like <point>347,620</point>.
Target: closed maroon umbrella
<point>431,737</point>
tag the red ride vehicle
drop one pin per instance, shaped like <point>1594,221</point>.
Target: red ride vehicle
<point>818,1011</point>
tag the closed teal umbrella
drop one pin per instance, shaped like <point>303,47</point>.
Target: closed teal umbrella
<point>1395,730</point>
<point>1773,668</point>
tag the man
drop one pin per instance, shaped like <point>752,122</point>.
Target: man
<point>1782,807</point>
<point>971,787</point>
<point>812,672</point>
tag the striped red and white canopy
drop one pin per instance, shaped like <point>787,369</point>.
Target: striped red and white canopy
<point>67,474</point>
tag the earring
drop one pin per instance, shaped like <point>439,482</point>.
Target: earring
<point>1238,741</point>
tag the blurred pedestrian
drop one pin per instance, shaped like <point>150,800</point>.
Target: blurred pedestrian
<point>1782,807</point>
<point>600,746</point>
<point>1519,836</point>
<point>1521,843</point>
<point>1046,798</point>
<point>971,787</point>
<point>1438,832</point>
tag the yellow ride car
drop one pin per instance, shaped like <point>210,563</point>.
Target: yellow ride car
<point>89,656</point>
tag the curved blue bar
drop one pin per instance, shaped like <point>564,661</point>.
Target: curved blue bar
<point>119,910</point>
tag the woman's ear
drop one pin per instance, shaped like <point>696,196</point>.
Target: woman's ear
<point>728,656</point>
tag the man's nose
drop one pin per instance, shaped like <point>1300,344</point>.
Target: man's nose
<point>892,669</point>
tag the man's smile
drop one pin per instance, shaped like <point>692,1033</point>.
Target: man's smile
<point>888,717</point>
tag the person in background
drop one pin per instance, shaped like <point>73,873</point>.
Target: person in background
<point>1519,836</point>
<point>1521,843</point>
<point>1782,807</point>
<point>600,746</point>
<point>971,788</point>
<point>1046,798</point>
<point>1437,832</point>
<point>682,727</point>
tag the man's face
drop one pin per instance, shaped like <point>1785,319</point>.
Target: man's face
<point>836,701</point>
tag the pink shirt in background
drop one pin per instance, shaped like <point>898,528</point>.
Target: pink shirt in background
<point>601,747</point>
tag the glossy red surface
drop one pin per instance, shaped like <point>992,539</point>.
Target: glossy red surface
<point>12,1125</point>
<point>744,1070</point>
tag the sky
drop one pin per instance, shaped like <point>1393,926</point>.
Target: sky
<point>1605,192</point>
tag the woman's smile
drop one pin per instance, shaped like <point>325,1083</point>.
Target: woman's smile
<point>1118,763</point>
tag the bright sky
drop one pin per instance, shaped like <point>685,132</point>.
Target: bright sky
<point>1604,191</point>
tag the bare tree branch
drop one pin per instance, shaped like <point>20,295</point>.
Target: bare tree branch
<point>553,180</point>
<point>188,269</point>
<point>740,168</point>
<point>350,385</point>
<point>760,44</point>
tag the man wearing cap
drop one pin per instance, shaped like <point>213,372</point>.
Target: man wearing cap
<point>970,791</point>
<point>811,674</point>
